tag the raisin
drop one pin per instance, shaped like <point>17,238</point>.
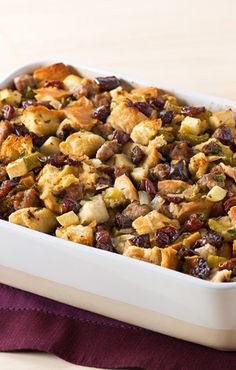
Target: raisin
<point>166,235</point>
<point>166,116</point>
<point>194,223</point>
<point>201,269</point>
<point>103,240</point>
<point>121,137</point>
<point>101,113</point>
<point>178,171</point>
<point>214,239</point>
<point>192,111</point>
<point>107,83</point>
<point>224,134</point>
<point>157,103</point>
<point>148,186</point>
<point>137,154</point>
<point>142,241</point>
<point>8,112</point>
<point>122,221</point>
<point>54,83</point>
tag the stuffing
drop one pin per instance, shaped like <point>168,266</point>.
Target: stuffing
<point>201,206</point>
<point>94,210</point>
<point>220,276</point>
<point>80,113</point>
<point>49,94</point>
<point>40,219</point>
<point>68,218</point>
<point>191,125</point>
<point>222,118</point>
<point>206,251</point>
<point>198,165</point>
<point>72,83</point>
<point>152,255</point>
<point>8,96</point>
<point>81,143</point>
<point>151,222</point>
<point>113,197</point>
<point>232,214</point>
<point>229,171</point>
<point>144,93</point>
<point>145,131</point>
<point>172,186</point>
<point>50,146</point>
<point>57,72</point>
<point>124,184</point>
<point>76,233</point>
<point>15,146</point>
<point>216,194</point>
<point>125,118</point>
<point>169,258</point>
<point>41,120</point>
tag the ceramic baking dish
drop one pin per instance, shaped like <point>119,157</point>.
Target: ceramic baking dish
<point>133,291</point>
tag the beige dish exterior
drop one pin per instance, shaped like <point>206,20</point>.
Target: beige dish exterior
<point>132,291</point>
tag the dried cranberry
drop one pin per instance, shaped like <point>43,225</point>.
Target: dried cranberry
<point>186,252</point>
<point>173,199</point>
<point>142,241</point>
<point>230,202</point>
<point>148,186</point>
<point>122,221</point>
<point>214,239</point>
<point>166,235</point>
<point>66,131</point>
<point>20,130</point>
<point>8,112</point>
<point>178,171</point>
<point>137,154</point>
<point>193,223</point>
<point>57,160</point>
<point>224,134</point>
<point>201,269</point>
<point>27,103</point>
<point>103,240</point>
<point>55,83</point>
<point>109,171</point>
<point>69,204</point>
<point>229,265</point>
<point>104,180</point>
<point>5,187</point>
<point>121,137</point>
<point>217,209</point>
<point>37,140</point>
<point>119,171</point>
<point>211,148</point>
<point>192,111</point>
<point>144,108</point>
<point>101,113</point>
<point>71,162</point>
<point>166,116</point>
<point>199,243</point>
<point>157,103</point>
<point>107,83</point>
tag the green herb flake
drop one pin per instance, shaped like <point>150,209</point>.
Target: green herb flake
<point>181,189</point>
<point>231,231</point>
<point>218,178</point>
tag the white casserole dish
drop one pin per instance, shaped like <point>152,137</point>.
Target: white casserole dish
<point>133,291</point>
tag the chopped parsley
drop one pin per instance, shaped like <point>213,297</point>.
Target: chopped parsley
<point>232,231</point>
<point>218,178</point>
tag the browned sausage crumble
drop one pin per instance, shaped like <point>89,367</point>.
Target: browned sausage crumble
<point>130,171</point>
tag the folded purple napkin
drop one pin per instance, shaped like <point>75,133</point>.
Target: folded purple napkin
<point>30,322</point>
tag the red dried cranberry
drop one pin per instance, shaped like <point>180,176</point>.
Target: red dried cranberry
<point>214,239</point>
<point>157,103</point>
<point>8,112</point>
<point>199,243</point>
<point>20,130</point>
<point>6,186</point>
<point>109,171</point>
<point>121,137</point>
<point>101,113</point>
<point>57,160</point>
<point>27,103</point>
<point>174,199</point>
<point>186,252</point>
<point>217,209</point>
<point>178,171</point>
<point>166,116</point>
<point>54,83</point>
<point>37,140</point>
<point>142,241</point>
<point>103,240</point>
<point>137,154</point>
<point>148,186</point>
<point>166,235</point>
<point>119,171</point>
<point>201,269</point>
<point>193,223</point>
<point>224,134</point>
<point>66,131</point>
<point>122,221</point>
<point>104,180</point>
<point>192,111</point>
<point>69,204</point>
<point>71,162</point>
<point>107,83</point>
<point>229,265</point>
<point>230,202</point>
<point>144,108</point>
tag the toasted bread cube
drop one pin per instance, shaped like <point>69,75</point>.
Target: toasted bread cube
<point>125,118</point>
<point>94,210</point>
<point>151,222</point>
<point>124,184</point>
<point>80,113</point>
<point>122,160</point>
<point>57,71</point>
<point>40,219</point>
<point>220,276</point>
<point>8,96</point>
<point>232,214</point>
<point>191,125</point>
<point>69,218</point>
<point>144,131</point>
<point>169,258</point>
<point>81,143</point>
<point>113,197</point>
<point>50,146</point>
<point>145,93</point>
<point>76,233</point>
<point>72,83</point>
<point>22,165</point>
<point>139,173</point>
<point>14,146</point>
<point>152,255</point>
<point>50,94</point>
<point>222,118</point>
<point>41,120</point>
<point>172,186</point>
<point>198,165</point>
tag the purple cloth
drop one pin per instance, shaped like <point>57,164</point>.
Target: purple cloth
<point>30,322</point>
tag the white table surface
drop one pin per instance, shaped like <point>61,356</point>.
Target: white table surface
<point>181,43</point>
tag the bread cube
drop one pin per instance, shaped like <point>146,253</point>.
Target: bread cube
<point>94,210</point>
<point>191,125</point>
<point>144,131</point>
<point>41,120</point>
<point>222,118</point>
<point>76,233</point>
